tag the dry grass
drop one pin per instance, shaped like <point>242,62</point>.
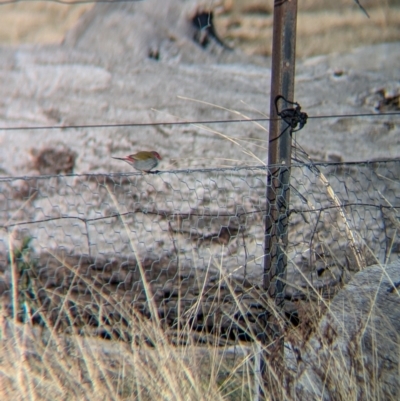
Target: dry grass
<point>39,364</point>
<point>323,26</point>
<point>48,364</point>
<point>37,22</point>
<point>57,354</point>
<point>57,360</point>
<point>48,359</point>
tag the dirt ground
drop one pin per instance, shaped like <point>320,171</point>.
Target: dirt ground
<point>323,27</point>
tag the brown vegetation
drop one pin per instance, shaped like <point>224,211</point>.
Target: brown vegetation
<point>323,26</point>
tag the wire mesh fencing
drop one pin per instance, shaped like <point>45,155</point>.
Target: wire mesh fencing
<point>95,253</point>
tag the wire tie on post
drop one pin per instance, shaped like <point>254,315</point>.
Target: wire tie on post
<point>292,116</point>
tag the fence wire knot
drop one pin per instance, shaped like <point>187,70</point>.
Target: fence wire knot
<point>292,116</point>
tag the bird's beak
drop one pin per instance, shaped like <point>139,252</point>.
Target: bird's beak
<point>120,158</point>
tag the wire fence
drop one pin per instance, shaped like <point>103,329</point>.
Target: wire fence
<point>193,122</point>
<point>95,254</point>
<point>186,247</point>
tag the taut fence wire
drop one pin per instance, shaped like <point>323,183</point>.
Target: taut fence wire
<point>90,252</point>
<point>193,122</point>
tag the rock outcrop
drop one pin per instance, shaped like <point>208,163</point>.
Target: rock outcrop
<point>355,353</point>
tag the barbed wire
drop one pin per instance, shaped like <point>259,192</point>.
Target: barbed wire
<point>194,122</point>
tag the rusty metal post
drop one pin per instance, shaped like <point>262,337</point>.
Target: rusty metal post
<point>279,161</point>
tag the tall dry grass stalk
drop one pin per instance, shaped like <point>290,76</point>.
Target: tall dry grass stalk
<point>351,233</point>
<point>50,362</point>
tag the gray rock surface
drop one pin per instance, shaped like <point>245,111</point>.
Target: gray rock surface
<point>102,74</point>
<point>58,87</point>
<point>164,31</point>
<point>106,72</point>
<point>355,353</point>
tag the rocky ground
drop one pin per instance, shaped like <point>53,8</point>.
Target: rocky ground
<point>134,63</point>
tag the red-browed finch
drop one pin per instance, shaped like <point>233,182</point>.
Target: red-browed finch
<point>142,161</point>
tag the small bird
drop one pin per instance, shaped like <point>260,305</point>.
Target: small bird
<point>142,161</point>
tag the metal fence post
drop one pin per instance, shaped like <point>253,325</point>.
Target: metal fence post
<point>278,190</point>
